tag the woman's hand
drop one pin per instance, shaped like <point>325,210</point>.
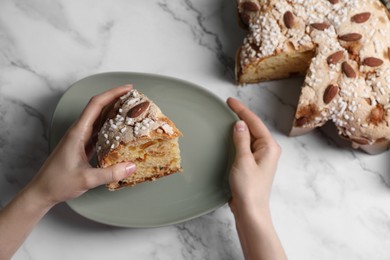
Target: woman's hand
<point>67,174</point>
<point>257,155</point>
<point>251,177</point>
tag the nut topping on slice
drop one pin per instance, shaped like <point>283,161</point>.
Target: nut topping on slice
<point>348,70</point>
<point>350,37</point>
<point>372,62</point>
<point>301,121</point>
<point>335,57</point>
<point>138,109</point>
<point>330,92</point>
<point>245,18</point>
<point>288,19</point>
<point>361,18</point>
<point>320,26</point>
<point>333,2</point>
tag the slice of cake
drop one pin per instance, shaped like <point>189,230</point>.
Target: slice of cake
<point>343,47</point>
<point>135,130</point>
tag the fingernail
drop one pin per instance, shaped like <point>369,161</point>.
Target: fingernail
<point>240,126</point>
<point>130,169</point>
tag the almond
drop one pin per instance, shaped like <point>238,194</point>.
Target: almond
<point>350,37</point>
<point>245,18</point>
<point>376,115</point>
<point>348,70</point>
<point>250,6</point>
<point>138,109</point>
<point>388,53</point>
<point>288,19</point>
<point>333,2</point>
<point>360,140</point>
<point>301,121</point>
<point>372,62</point>
<point>335,57</point>
<point>361,18</point>
<point>382,139</point>
<point>320,26</point>
<point>330,92</point>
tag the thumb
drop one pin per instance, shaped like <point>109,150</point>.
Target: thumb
<point>242,138</point>
<point>110,174</point>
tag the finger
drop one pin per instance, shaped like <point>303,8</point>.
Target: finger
<point>242,139</point>
<point>255,124</point>
<point>114,173</point>
<point>92,111</point>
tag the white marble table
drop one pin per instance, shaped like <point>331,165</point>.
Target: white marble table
<point>328,201</point>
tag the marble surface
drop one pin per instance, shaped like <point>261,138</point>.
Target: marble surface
<point>328,201</point>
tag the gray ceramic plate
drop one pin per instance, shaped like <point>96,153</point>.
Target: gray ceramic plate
<point>206,152</point>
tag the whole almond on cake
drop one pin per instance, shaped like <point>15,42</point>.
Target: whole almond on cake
<point>343,48</point>
<point>135,130</point>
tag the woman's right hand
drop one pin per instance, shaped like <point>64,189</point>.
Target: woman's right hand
<point>251,178</point>
<point>257,155</point>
